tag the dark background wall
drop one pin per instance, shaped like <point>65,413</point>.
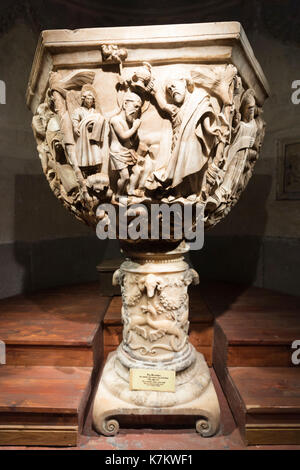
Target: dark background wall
<point>42,245</point>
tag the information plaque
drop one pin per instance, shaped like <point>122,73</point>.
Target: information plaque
<point>152,379</point>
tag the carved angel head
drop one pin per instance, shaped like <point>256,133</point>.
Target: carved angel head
<point>88,99</point>
<point>248,106</point>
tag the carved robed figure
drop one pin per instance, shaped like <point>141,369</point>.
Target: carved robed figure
<point>194,131</point>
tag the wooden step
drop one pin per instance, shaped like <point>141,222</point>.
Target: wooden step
<point>221,296</point>
<point>54,350</point>
<point>55,327</point>
<point>256,329</point>
<point>265,402</point>
<point>42,405</point>
<point>201,325</point>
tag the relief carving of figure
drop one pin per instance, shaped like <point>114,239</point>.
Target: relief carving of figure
<point>58,171</point>
<point>89,127</point>
<point>124,139</point>
<point>240,157</point>
<point>47,130</point>
<point>64,93</point>
<point>194,136</point>
<point>243,140</point>
<point>39,126</point>
<point>194,132</point>
<point>253,152</point>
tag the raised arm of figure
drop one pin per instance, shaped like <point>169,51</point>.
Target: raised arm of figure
<point>124,134</point>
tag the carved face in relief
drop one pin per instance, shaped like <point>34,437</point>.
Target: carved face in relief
<point>88,99</point>
<point>45,114</point>
<point>248,109</point>
<point>132,106</point>
<point>176,88</point>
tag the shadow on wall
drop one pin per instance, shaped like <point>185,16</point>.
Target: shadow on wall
<point>234,250</point>
<point>52,248</point>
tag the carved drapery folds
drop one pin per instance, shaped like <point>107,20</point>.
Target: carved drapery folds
<point>177,132</point>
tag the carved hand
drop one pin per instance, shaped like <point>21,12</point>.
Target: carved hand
<point>151,87</point>
<point>136,124</point>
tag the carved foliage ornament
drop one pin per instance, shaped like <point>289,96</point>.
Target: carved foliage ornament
<point>155,307</point>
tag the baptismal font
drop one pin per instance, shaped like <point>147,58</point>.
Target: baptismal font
<point>129,119</point>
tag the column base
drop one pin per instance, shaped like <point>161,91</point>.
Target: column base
<point>195,395</point>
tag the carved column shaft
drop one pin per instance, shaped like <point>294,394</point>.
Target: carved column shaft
<point>155,310</point>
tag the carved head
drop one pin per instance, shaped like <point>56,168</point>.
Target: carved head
<point>87,99</point>
<point>178,86</point>
<point>176,89</point>
<point>44,113</point>
<point>248,106</point>
<point>237,85</point>
<point>132,105</point>
<point>97,182</point>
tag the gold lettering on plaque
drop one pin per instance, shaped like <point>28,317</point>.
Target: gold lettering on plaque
<point>152,379</point>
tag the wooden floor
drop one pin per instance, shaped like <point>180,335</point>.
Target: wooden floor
<point>55,346</point>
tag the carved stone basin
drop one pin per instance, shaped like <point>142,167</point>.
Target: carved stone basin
<point>128,118</point>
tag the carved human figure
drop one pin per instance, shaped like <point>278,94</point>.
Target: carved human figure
<point>62,93</point>
<point>89,126</point>
<point>58,172</point>
<point>39,126</point>
<point>243,140</point>
<point>253,153</point>
<point>194,131</point>
<point>228,119</point>
<point>124,139</point>
<point>141,171</point>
